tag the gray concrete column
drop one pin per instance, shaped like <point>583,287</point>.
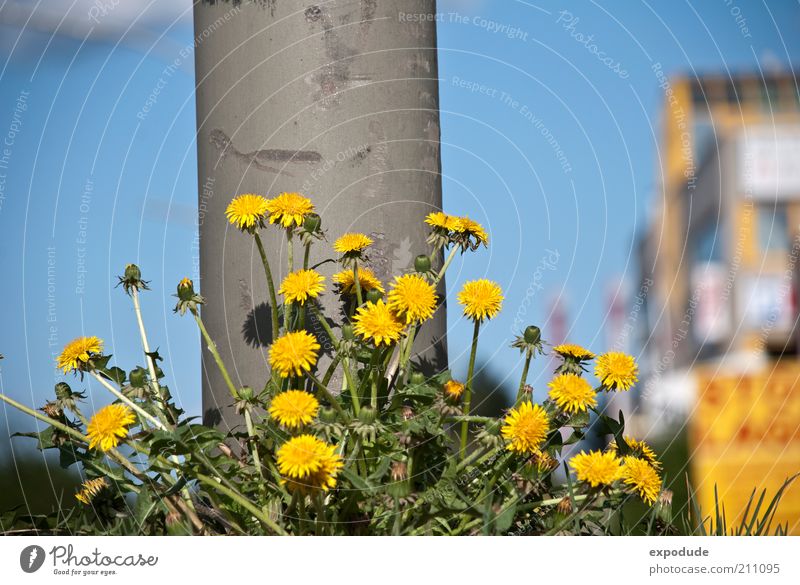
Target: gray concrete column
<point>337,100</point>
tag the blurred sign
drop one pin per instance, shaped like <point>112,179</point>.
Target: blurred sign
<point>769,162</point>
<point>745,434</point>
<point>766,301</point>
<point>712,318</point>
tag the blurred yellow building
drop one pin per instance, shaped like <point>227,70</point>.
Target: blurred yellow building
<point>719,267</point>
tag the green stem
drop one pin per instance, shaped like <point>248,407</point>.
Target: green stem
<point>524,378</point>
<point>306,255</point>
<point>251,433</point>
<point>151,364</point>
<point>325,393</point>
<point>331,369</point>
<point>357,283</point>
<point>475,457</point>
<point>351,386</point>
<point>446,265</point>
<point>290,249</point>
<point>212,347</point>
<point>116,455</point>
<point>320,522</point>
<point>468,389</point>
<point>242,501</point>
<point>348,377</point>
<point>46,419</point>
<point>471,419</point>
<point>373,374</point>
<point>405,352</point>
<point>287,315</point>
<point>322,321</point>
<point>273,299</point>
<point>548,502</point>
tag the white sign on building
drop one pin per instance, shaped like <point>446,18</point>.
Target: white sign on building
<point>769,162</point>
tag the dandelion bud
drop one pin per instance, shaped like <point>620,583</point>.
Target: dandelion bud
<point>347,332</point>
<point>422,263</point>
<point>374,295</point>
<point>533,334</point>
<point>245,393</point>
<point>185,289</point>
<point>187,298</point>
<point>327,415</point>
<point>63,391</point>
<point>664,506</point>
<point>493,428</point>
<point>312,222</point>
<point>132,272</point>
<point>417,378</point>
<point>399,471</point>
<point>564,506</point>
<point>367,415</point>
<point>176,525</point>
<point>53,410</point>
<point>131,280</point>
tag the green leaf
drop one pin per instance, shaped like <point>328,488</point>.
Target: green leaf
<point>163,443</point>
<point>505,518</point>
<point>356,481</point>
<point>67,456</point>
<point>44,438</point>
<point>116,375</point>
<point>145,504</point>
<point>578,420</point>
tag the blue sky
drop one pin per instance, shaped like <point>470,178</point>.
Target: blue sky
<point>548,137</point>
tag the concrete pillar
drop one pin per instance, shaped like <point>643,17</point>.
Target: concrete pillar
<point>336,100</point>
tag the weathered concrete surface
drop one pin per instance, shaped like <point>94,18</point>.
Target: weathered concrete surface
<point>337,100</point>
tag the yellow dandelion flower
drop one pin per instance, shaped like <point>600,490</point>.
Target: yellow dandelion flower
<point>481,299</point>
<point>377,323</point>
<point>294,408</point>
<point>638,449</point>
<point>571,393</point>
<point>289,209</point>
<point>526,428</point>
<point>78,352</point>
<point>596,468</point>
<point>352,243</point>
<point>453,389</point>
<point>441,220</point>
<point>301,285</point>
<point>294,353</point>
<point>616,370</point>
<point>90,489</point>
<point>247,211</point>
<point>573,351</point>
<point>412,298</point>
<point>366,278</point>
<point>108,426</point>
<point>641,477</point>
<point>309,463</point>
<point>465,225</point>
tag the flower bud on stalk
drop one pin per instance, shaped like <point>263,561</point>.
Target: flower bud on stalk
<point>132,279</point>
<point>417,378</point>
<point>422,263</point>
<point>312,223</point>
